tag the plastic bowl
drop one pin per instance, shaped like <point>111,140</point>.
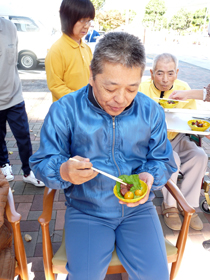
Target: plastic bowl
<point>144,189</point>
<point>195,128</point>
<point>164,104</point>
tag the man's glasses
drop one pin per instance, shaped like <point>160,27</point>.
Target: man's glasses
<point>85,22</point>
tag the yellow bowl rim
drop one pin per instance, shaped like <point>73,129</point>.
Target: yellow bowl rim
<point>167,106</point>
<point>198,128</point>
<point>131,200</point>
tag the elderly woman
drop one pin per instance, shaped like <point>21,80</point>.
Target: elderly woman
<point>109,125</point>
<point>68,60</point>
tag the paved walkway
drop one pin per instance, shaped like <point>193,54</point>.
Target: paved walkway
<point>28,199</point>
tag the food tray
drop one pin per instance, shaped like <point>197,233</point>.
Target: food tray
<point>177,119</point>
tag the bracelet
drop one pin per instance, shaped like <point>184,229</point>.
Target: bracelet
<point>207,93</point>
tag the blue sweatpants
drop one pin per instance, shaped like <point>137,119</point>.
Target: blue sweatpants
<point>18,122</point>
<point>139,243</point>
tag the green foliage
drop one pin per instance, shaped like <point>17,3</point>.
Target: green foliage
<point>181,21</point>
<point>154,14</point>
<point>109,20</point>
<point>98,4</point>
<point>198,19</point>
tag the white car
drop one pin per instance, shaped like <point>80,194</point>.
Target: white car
<point>33,41</point>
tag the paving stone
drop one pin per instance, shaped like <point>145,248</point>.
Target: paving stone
<point>18,187</point>
<point>56,246</point>
<point>37,203</point>
<point>23,198</point>
<point>12,184</point>
<point>38,250</point>
<point>158,209</point>
<point>62,197</point>
<point>60,219</point>
<point>9,134</point>
<point>13,156</point>
<point>207,216</point>
<point>57,235</point>
<point>56,195</point>
<point>202,217</point>
<point>16,169</point>
<point>113,277</point>
<point>18,178</point>
<point>30,246</point>
<point>158,194</point>
<point>51,229</point>
<point>31,189</point>
<point>124,276</point>
<point>15,161</point>
<point>23,210</point>
<point>206,231</point>
<point>29,225</point>
<point>59,205</point>
<point>13,149</point>
<point>34,215</point>
<point>37,264</point>
<point>157,201</point>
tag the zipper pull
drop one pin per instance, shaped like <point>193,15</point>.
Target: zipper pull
<point>113,122</point>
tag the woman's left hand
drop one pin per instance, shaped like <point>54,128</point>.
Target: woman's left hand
<point>148,179</point>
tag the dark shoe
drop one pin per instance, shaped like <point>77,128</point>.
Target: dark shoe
<point>206,245</point>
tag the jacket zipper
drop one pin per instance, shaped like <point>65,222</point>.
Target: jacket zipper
<point>113,143</point>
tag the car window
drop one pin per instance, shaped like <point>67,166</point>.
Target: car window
<point>24,24</point>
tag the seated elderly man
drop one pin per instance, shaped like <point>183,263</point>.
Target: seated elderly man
<point>190,159</point>
<point>108,124</point>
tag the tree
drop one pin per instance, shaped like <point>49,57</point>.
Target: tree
<point>98,4</point>
<point>181,21</point>
<point>112,19</point>
<point>200,17</point>
<point>154,12</point>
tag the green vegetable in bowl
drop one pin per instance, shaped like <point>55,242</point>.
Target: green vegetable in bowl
<point>132,179</point>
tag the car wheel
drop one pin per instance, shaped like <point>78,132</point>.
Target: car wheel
<point>27,61</point>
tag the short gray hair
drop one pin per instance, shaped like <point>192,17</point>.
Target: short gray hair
<point>118,47</point>
<point>167,57</point>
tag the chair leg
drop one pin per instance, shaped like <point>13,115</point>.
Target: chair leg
<point>47,252</point>
<point>20,251</point>
<point>181,242</point>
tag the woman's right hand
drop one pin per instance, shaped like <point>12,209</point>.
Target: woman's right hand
<point>178,95</point>
<point>77,172</point>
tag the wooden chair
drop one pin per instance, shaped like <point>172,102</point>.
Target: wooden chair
<point>20,255</point>
<point>56,264</point>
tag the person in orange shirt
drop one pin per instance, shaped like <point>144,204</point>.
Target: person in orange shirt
<point>68,60</point>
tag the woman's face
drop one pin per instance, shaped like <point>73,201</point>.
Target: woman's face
<point>80,29</point>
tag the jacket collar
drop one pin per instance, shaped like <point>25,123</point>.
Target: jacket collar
<point>72,43</point>
<point>156,90</point>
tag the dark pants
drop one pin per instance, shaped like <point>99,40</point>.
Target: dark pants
<point>18,122</point>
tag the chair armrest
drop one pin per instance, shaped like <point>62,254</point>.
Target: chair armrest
<point>47,206</point>
<point>182,236</point>
<point>11,213</point>
<point>177,194</point>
